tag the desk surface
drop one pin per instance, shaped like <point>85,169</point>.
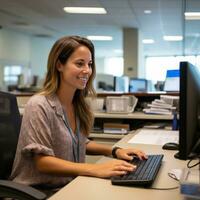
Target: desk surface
<point>86,188</point>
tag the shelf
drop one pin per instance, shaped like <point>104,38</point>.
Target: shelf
<point>106,136</point>
<point>134,115</point>
<point>21,111</point>
<point>137,94</point>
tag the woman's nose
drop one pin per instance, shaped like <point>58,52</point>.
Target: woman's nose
<point>86,69</point>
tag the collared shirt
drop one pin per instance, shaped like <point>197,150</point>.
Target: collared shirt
<point>44,131</point>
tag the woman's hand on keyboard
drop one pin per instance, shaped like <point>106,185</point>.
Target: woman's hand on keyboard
<point>127,154</point>
<point>111,168</point>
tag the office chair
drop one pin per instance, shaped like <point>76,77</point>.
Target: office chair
<point>10,122</point>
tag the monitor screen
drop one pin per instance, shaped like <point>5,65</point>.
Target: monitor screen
<point>104,82</point>
<point>189,109</point>
<point>137,85</point>
<point>121,83</point>
<point>172,80</point>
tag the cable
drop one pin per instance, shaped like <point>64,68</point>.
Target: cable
<point>171,188</point>
<point>194,165</point>
<point>171,175</point>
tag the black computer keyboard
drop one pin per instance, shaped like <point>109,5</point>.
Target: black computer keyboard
<point>144,174</point>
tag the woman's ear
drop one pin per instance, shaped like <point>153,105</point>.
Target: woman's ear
<point>59,66</point>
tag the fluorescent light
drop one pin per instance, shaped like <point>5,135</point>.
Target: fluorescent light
<point>85,10</point>
<point>192,15</point>
<point>147,11</point>
<point>173,37</point>
<point>95,37</point>
<point>148,41</point>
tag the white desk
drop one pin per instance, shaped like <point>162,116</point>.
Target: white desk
<point>89,188</point>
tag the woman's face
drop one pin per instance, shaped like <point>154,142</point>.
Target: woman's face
<point>77,70</point>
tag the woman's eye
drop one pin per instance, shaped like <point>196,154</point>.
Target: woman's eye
<point>79,64</point>
<point>90,65</point>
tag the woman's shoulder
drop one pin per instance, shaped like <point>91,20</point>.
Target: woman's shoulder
<point>37,102</point>
<point>35,105</point>
<point>43,101</point>
<point>37,99</point>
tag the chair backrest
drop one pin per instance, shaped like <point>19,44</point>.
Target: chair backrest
<point>10,122</point>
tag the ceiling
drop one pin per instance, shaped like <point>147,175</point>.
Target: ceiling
<point>46,18</point>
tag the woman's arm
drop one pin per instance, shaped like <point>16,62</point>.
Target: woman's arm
<point>59,167</point>
<point>93,148</point>
<point>115,167</point>
<point>100,149</point>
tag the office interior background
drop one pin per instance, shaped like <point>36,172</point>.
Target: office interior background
<point>143,38</point>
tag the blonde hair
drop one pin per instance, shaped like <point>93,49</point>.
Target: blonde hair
<point>60,52</point>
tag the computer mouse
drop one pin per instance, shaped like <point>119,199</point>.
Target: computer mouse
<point>170,146</point>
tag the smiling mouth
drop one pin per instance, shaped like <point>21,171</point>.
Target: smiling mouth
<point>83,78</point>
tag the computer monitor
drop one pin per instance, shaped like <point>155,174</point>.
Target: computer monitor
<point>137,85</point>
<point>172,80</point>
<point>121,84</point>
<point>189,109</point>
<point>104,82</point>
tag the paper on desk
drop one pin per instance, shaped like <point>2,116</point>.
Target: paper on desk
<point>156,137</point>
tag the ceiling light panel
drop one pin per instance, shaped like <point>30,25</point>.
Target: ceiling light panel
<point>147,11</point>
<point>96,37</point>
<point>173,37</point>
<point>148,41</point>
<point>85,10</point>
<point>192,15</point>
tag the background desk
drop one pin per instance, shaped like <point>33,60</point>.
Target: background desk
<point>134,120</point>
<point>89,188</point>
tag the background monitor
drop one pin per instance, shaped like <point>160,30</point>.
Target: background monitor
<point>121,84</point>
<point>104,82</point>
<point>189,108</point>
<point>137,85</point>
<point>172,80</point>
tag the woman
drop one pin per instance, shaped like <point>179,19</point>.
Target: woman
<point>56,122</point>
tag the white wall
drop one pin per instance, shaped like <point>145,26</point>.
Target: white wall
<point>100,67</point>
<point>14,49</point>
<point>14,46</point>
<point>30,52</point>
<point>40,48</point>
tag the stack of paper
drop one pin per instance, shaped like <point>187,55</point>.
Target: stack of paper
<point>155,137</point>
<point>116,128</point>
<point>162,106</point>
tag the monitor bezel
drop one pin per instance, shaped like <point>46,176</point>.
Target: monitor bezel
<point>188,110</point>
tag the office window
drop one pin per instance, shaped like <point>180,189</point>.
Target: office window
<point>191,59</point>
<point>156,67</point>
<point>114,66</point>
<point>198,61</point>
<point>11,73</point>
